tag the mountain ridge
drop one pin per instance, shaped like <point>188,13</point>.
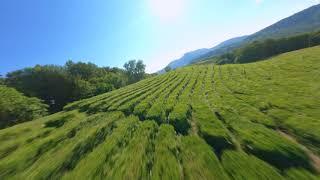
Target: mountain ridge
<point>307,20</point>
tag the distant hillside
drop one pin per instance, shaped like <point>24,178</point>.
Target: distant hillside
<point>190,57</point>
<point>187,58</point>
<point>223,47</point>
<point>305,21</point>
<point>241,121</point>
<point>260,50</point>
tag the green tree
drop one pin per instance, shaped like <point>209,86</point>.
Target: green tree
<point>259,50</point>
<point>1,80</point>
<point>50,83</point>
<point>59,85</point>
<point>135,70</point>
<point>167,68</point>
<point>83,70</point>
<point>83,89</point>
<point>16,108</point>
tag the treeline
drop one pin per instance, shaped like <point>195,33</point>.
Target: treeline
<point>59,85</point>
<point>16,108</point>
<point>259,50</point>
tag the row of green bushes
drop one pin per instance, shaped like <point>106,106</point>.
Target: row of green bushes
<point>144,93</point>
<point>144,105</point>
<point>104,101</point>
<point>240,165</point>
<point>210,127</point>
<point>181,113</point>
<point>253,102</point>
<point>157,110</point>
<point>166,162</point>
<point>92,165</point>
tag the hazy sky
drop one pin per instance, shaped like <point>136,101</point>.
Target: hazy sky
<point>110,32</point>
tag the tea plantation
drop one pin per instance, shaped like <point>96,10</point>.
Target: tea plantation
<point>249,121</point>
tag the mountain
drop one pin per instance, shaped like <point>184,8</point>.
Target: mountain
<point>250,121</point>
<point>190,57</point>
<point>223,47</point>
<point>305,21</point>
<point>187,58</point>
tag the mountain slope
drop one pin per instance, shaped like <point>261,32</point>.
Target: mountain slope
<point>187,58</point>
<point>305,21</point>
<point>222,48</point>
<point>198,122</point>
<point>192,56</point>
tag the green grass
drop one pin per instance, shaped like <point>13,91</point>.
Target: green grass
<point>248,121</point>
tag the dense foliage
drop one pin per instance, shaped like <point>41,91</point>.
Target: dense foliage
<point>167,69</point>
<point>259,50</point>
<point>135,70</point>
<point>16,108</point>
<point>59,85</point>
<point>1,80</point>
<point>244,121</point>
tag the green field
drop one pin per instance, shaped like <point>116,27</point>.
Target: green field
<point>248,121</point>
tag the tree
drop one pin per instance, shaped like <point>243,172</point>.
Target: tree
<point>167,69</point>
<point>59,85</point>
<point>83,89</point>
<point>135,70</point>
<point>16,108</point>
<point>1,80</point>
<point>49,83</point>
<point>259,50</point>
<point>83,70</point>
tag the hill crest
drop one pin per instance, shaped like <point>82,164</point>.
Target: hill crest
<point>197,122</point>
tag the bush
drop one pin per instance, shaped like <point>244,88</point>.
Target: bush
<point>298,174</point>
<point>270,146</point>
<point>199,161</point>
<point>179,118</point>
<point>166,162</point>
<point>240,166</point>
<point>211,128</point>
<point>16,108</point>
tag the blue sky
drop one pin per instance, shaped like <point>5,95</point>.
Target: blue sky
<point>110,32</point>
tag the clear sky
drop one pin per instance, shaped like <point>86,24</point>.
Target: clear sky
<point>110,32</point>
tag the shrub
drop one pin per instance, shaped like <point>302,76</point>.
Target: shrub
<point>211,128</point>
<point>270,146</point>
<point>199,161</point>
<point>240,166</point>
<point>298,174</point>
<point>16,108</point>
<point>166,161</point>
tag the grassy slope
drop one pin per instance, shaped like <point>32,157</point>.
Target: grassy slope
<point>198,122</point>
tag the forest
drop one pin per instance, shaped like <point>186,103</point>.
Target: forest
<point>48,88</point>
<point>261,50</point>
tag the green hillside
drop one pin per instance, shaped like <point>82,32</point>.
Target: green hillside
<point>245,121</point>
<point>304,22</point>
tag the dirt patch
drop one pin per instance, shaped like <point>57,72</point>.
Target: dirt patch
<point>315,159</point>
<point>194,130</point>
